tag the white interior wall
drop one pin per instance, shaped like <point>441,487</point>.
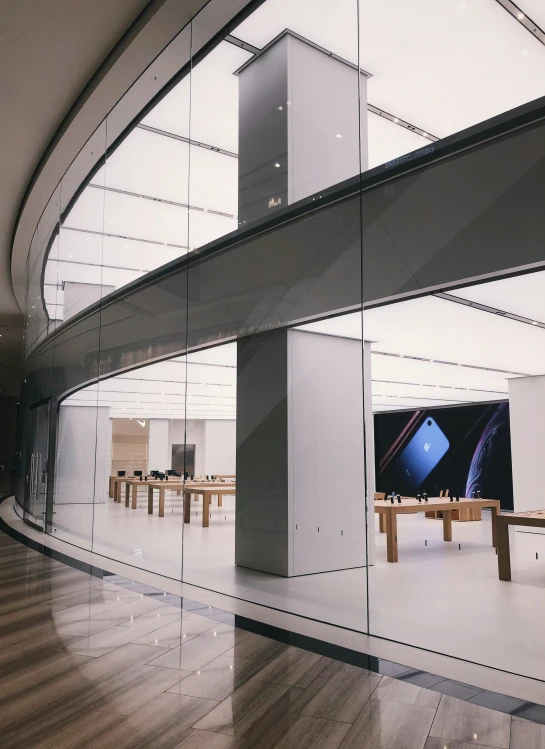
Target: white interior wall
<point>159,455</point>
<point>527,420</point>
<point>191,432</point>
<point>220,446</point>
<point>82,433</point>
<point>326,482</point>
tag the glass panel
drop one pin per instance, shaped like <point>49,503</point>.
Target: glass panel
<point>37,466</point>
<point>73,275</point>
<point>267,408</point>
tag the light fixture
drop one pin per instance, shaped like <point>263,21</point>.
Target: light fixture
<point>520,16</point>
<point>534,322</point>
<point>277,165</point>
<point>280,108</point>
<point>395,119</point>
<point>338,135</point>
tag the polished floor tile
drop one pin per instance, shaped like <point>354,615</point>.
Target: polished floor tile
<point>314,733</point>
<point>205,740</point>
<point>339,696</point>
<point>219,678</point>
<point>244,712</point>
<point>432,743</point>
<point>466,722</point>
<point>193,654</point>
<point>384,725</point>
<point>295,668</point>
<point>393,690</point>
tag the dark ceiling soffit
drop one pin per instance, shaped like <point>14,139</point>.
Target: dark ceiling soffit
<point>501,125</point>
<point>107,64</point>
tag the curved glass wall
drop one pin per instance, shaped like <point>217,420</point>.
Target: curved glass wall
<point>195,310</point>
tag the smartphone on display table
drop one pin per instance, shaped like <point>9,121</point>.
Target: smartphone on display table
<point>420,456</point>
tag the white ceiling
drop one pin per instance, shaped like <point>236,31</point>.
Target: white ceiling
<point>441,66</point>
<point>426,352</point>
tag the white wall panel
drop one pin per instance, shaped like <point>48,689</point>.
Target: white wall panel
<point>527,421</point>
<point>159,455</point>
<point>220,447</point>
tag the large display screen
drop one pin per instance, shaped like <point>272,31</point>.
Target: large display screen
<point>465,449</point>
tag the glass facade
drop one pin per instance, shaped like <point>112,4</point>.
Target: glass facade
<point>215,303</point>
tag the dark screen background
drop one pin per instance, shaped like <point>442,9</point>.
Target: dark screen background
<point>478,459</point>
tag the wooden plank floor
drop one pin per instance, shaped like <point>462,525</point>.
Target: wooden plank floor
<point>88,664</point>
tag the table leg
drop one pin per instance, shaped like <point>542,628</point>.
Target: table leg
<point>127,494</point>
<point>205,509</point>
<point>391,536</point>
<point>150,500</point>
<point>187,507</point>
<point>495,511</point>
<point>220,500</point>
<point>116,490</point>
<point>381,525</point>
<point>111,487</point>
<point>447,525</point>
<point>504,555</point>
<point>134,495</point>
<point>162,501</point>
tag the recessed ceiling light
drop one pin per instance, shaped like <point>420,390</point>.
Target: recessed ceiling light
<point>338,135</point>
<point>280,108</point>
<point>277,165</point>
<point>520,16</point>
<point>425,135</point>
<point>534,323</point>
<point>395,119</point>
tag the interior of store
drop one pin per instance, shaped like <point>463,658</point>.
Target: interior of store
<point>467,365</point>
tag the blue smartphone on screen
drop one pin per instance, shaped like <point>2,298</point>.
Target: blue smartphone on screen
<point>421,455</point>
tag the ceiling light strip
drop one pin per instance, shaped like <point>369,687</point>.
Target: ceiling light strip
<point>402,123</point>
<point>123,236</point>
<point>449,363</point>
<point>161,200</point>
<point>449,387</point>
<point>490,310</point>
<point>185,139</point>
<point>243,45</point>
<point>523,19</point>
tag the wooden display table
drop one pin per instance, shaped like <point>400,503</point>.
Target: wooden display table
<point>532,518</point>
<point>220,488</point>
<point>439,504</point>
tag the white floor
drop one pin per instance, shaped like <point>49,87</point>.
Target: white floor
<point>438,596</point>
